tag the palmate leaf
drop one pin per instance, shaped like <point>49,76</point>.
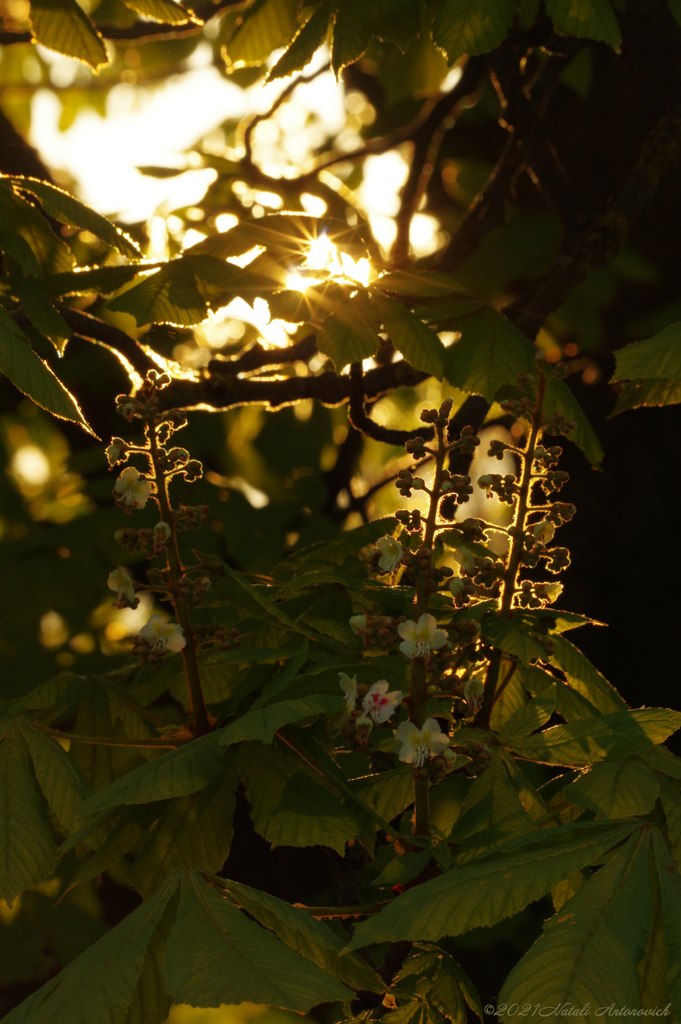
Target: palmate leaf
<point>40,311</point>
<point>589,953</point>
<point>264,27</point>
<point>569,703</point>
<point>483,892</point>
<point>166,296</point>
<point>306,935</point>
<point>453,989</point>
<point>351,334</point>
<point>656,357</point>
<point>305,44</point>
<point>217,955</point>
<point>101,984</point>
<point>388,793</point>
<point>489,353</point>
<point>151,1002</point>
<point>615,789</point>
<point>587,19</point>
<point>585,677</point>
<point>177,773</point>
<point>559,399</point>
<point>262,723</point>
<point>670,899</point>
<point>33,376</point>
<point>129,828</point>
<point>63,25</point>
<point>512,636</point>
<point>421,284</point>
<point>92,279</point>
<point>27,851</point>
<point>471,26</point>
<point>418,344</point>
<point>195,831</point>
<point>17,215</point>
<point>290,807</point>
<point>608,737</point>
<point>635,393</point>
<point>492,811</point>
<point>532,716</point>
<point>64,786</point>
<point>163,10</point>
<point>69,210</point>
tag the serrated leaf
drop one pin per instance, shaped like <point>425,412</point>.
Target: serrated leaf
<point>40,311</point>
<point>418,284</point>
<point>32,376</point>
<point>589,953</point>
<point>637,393</point>
<point>351,36</point>
<point>307,936</point>
<point>609,737</point>
<point>151,1002</point>
<point>265,26</point>
<point>91,279</point>
<point>177,773</point>
<point>489,353</point>
<point>64,786</point>
<point>348,337</point>
<point>418,344</point>
<point>217,955</point>
<point>163,10</point>
<point>670,899</point>
<point>492,810</point>
<point>532,716</point>
<point>615,789</point>
<point>167,296</point>
<point>662,760</point>
<point>471,26</point>
<point>483,892</point>
<point>27,852</point>
<point>671,805</point>
<point>15,245</point>
<point>656,357</point>
<point>559,399</point>
<point>453,989</point>
<point>127,830</point>
<point>573,706</point>
<point>304,45</point>
<point>290,807</point>
<point>195,832</point>
<point>52,255</point>
<point>388,793</point>
<point>63,25</point>
<point>585,677</point>
<point>511,635</point>
<point>586,19</point>
<point>101,984</point>
<point>262,723</point>
<point>404,868</point>
<point>72,212</point>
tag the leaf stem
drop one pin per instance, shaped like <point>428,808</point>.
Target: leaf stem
<point>111,741</point>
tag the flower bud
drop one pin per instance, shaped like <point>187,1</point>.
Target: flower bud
<point>456,586</point>
<point>544,532</point>
<point>418,484</point>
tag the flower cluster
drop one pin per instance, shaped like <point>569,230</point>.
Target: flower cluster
<point>156,638</point>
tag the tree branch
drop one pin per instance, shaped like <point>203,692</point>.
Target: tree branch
<point>359,418</point>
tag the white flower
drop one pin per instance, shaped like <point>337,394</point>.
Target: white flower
<point>131,489</point>
<point>418,745</point>
<point>161,536</point>
<point>544,531</point>
<point>391,553</point>
<point>349,688</point>
<point>121,582</point>
<point>473,691</point>
<point>548,591</point>
<point>422,637</point>
<point>162,636</point>
<point>379,704</point>
<point>358,623</point>
<point>465,559</point>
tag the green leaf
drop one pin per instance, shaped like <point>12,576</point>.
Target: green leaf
<point>489,353</point>
<point>64,785</point>
<point>418,344</point>
<point>217,955</point>
<point>63,25</point>
<point>27,852</point>
<point>15,245</point>
<point>671,805</point>
<point>418,284</point>
<point>637,393</point>
<point>304,46</point>
<point>670,899</point>
<point>290,807</point>
<point>471,26</point>
<point>166,296</point>
<point>177,773</point>
<point>70,211</point>
<point>584,677</point>
<point>511,634</point>
<point>163,10</point>
<point>609,737</point>
<point>569,703</point>
<point>656,357</point>
<point>559,399</point>
<point>492,810</point>
<point>586,19</point>
<point>40,311</point>
<point>452,983</point>
<point>662,760</point>
<point>479,893</point>
<point>589,953</point>
<point>151,1002</point>
<point>52,255</point>
<point>195,832</point>
<point>102,983</point>
<point>264,27</point>
<point>404,868</point>
<point>91,279</point>
<point>675,8</point>
<point>262,723</point>
<point>532,716</point>
<point>349,336</point>
<point>129,828</point>
<point>388,793</point>
<point>306,935</point>
<point>32,375</point>
<point>616,789</point>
